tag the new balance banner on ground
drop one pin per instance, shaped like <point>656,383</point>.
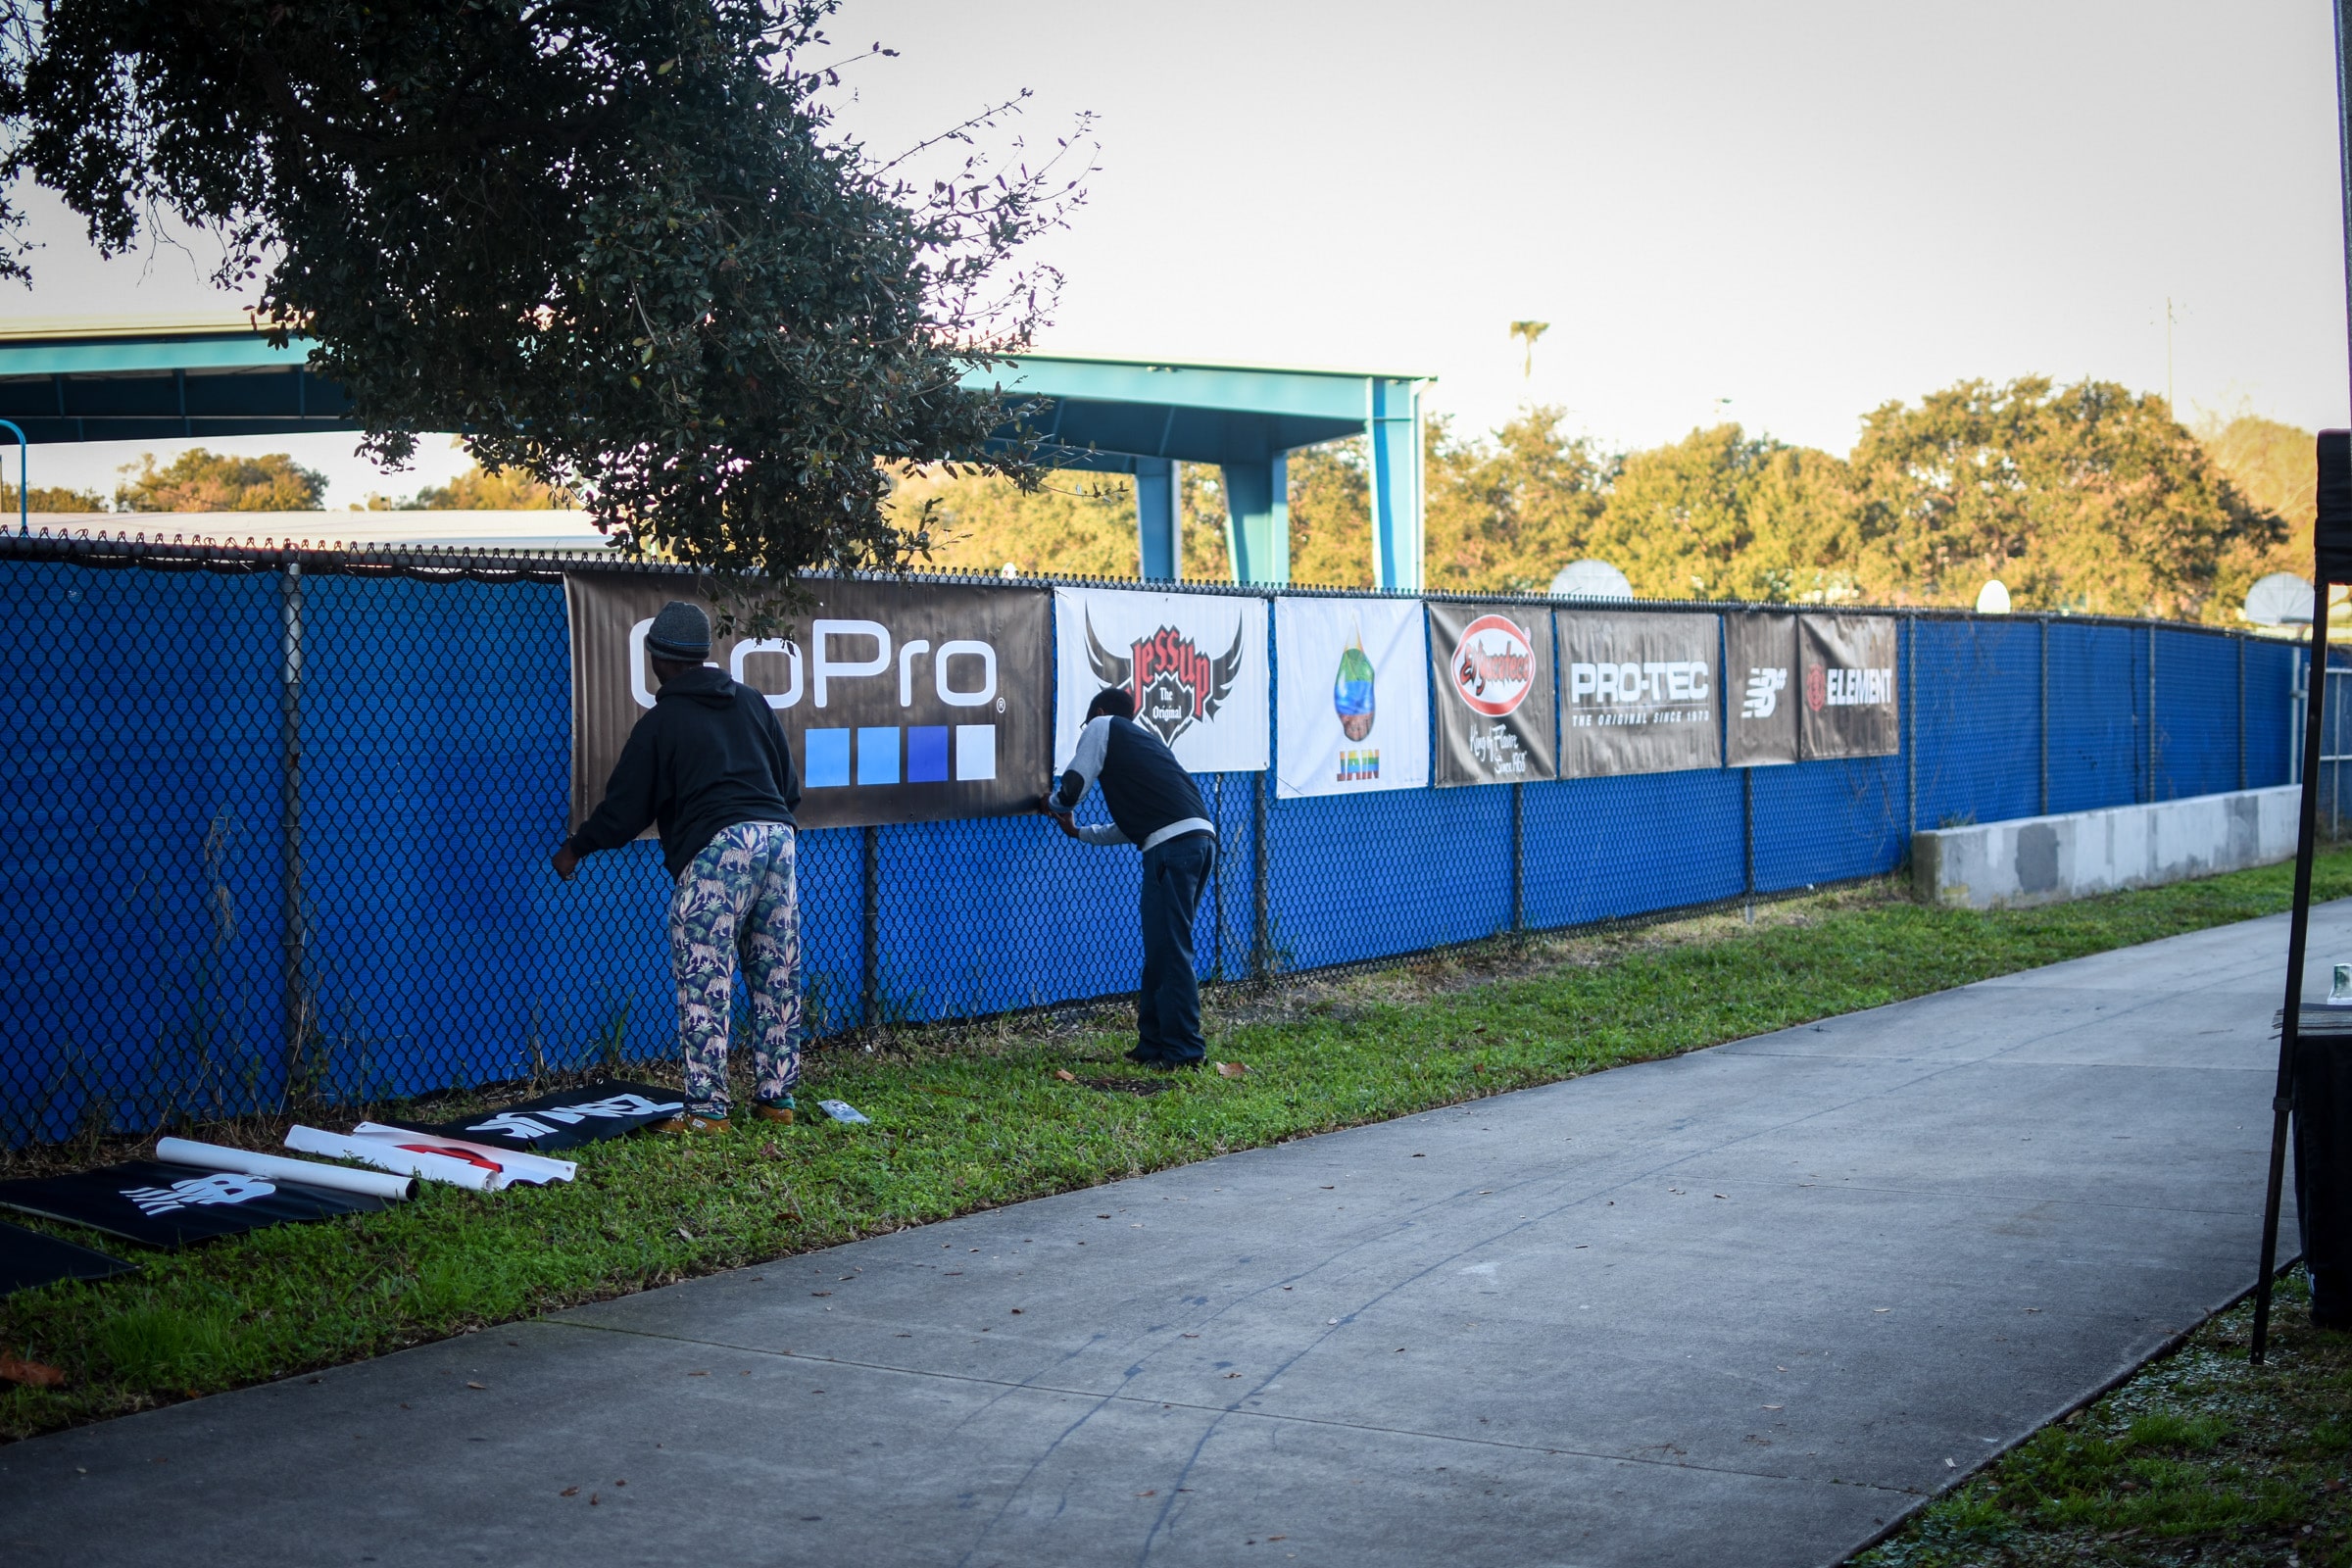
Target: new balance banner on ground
<point>28,1258</point>
<point>171,1206</point>
<point>566,1118</point>
<point>1847,669</point>
<point>1761,694</point>
<point>1194,663</point>
<point>904,701</point>
<point>1491,667</point>
<point>1355,696</point>
<point>1638,693</point>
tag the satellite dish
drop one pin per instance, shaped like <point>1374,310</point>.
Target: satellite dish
<point>1993,598</point>
<point>2280,599</point>
<point>1591,579</point>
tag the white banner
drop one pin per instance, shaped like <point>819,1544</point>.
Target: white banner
<point>1196,664</point>
<point>1355,699</point>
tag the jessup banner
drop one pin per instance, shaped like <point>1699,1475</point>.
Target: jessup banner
<point>1196,664</point>
<point>1759,666</point>
<point>904,701</point>
<point>1847,666</point>
<point>1491,667</point>
<point>1353,704</point>
<point>1638,693</point>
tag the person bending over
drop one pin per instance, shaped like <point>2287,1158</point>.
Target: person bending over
<point>710,767</point>
<point>1154,803</point>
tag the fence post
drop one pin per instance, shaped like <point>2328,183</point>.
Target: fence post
<point>2151,712</point>
<point>1518,858</point>
<point>1910,733</point>
<point>293,939</point>
<point>2241,710</point>
<point>1260,958</point>
<point>870,900</point>
<point>2045,716</point>
<point>1747,838</point>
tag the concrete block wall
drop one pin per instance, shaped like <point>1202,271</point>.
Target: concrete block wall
<point>2044,859</point>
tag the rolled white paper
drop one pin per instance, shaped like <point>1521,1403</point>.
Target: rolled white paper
<point>387,1156</point>
<point>276,1167</point>
<point>515,1164</point>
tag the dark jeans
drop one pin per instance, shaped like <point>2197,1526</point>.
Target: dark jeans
<point>1167,1012</point>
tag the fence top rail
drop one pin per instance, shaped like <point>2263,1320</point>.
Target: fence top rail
<point>437,562</point>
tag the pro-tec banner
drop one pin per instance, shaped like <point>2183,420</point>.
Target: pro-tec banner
<point>171,1206</point>
<point>1194,663</point>
<point>1354,698</point>
<point>565,1119</point>
<point>1637,692</point>
<point>903,702</point>
<point>1759,669</point>
<point>1848,670</point>
<point>1491,667</point>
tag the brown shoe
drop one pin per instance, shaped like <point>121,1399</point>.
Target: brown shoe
<point>781,1112</point>
<point>685,1121</point>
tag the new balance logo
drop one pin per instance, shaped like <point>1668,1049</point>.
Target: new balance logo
<point>224,1187</point>
<point>1763,695</point>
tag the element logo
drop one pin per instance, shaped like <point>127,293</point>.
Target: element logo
<point>1848,688</point>
<point>1174,684</point>
<point>1493,665</point>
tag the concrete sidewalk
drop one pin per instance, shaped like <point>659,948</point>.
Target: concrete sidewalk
<point>1742,1307</point>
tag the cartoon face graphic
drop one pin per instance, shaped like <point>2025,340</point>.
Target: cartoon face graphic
<point>1351,691</point>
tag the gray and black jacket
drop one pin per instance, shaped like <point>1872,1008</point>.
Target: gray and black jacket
<point>1150,797</point>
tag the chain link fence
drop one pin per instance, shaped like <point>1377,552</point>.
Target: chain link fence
<point>277,827</point>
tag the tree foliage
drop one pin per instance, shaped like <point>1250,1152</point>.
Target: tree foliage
<point>51,498</point>
<point>198,480</point>
<point>480,489</point>
<point>618,243</point>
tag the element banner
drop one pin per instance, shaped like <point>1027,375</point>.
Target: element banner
<point>1355,696</point>
<point>904,701</point>
<point>1638,693</point>
<point>1849,697</point>
<point>1196,664</point>
<point>1760,664</point>
<point>1492,664</point>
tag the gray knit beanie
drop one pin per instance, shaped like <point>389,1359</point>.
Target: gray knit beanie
<point>680,631</point>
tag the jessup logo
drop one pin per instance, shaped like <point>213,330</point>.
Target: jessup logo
<point>1174,684</point>
<point>1493,665</point>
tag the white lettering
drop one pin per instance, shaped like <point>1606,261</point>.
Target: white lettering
<point>906,670</point>
<point>1582,680</point>
<point>744,652</point>
<point>988,673</point>
<point>824,666</point>
<point>222,1186</point>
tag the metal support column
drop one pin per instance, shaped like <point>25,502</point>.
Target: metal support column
<point>1392,427</point>
<point>869,990</point>
<point>2045,716</point>
<point>1159,518</point>
<point>1257,520</point>
<point>295,996</point>
<point>23,479</point>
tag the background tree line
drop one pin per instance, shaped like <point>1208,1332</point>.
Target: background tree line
<point>2086,498</point>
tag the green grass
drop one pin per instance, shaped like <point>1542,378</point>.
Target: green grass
<point>2199,1458</point>
<point>975,1117</point>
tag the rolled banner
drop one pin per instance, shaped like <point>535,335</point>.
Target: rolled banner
<point>276,1167</point>
<point>515,1164</point>
<point>470,1171</point>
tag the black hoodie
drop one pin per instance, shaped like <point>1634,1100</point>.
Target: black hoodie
<point>709,756</point>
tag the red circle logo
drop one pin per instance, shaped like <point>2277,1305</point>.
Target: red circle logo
<point>1817,688</point>
<point>1493,665</point>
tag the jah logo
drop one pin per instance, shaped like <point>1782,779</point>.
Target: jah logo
<point>1174,684</point>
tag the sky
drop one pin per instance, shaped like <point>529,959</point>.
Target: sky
<point>1779,214</point>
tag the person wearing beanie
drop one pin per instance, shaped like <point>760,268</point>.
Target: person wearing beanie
<point>1154,804</point>
<point>710,769</point>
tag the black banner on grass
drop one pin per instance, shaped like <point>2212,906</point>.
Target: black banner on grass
<point>28,1258</point>
<point>563,1119</point>
<point>171,1206</point>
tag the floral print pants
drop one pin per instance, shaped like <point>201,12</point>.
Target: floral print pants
<point>737,896</point>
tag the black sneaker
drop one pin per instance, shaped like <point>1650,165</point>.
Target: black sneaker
<point>1145,1058</point>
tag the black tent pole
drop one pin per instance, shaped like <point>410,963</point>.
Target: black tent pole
<point>2315,686</point>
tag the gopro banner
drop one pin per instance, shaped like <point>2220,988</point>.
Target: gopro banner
<point>1491,665</point>
<point>1847,666</point>
<point>1354,697</point>
<point>1637,692</point>
<point>904,701</point>
<point>171,1206</point>
<point>564,1118</point>
<point>1194,663</point>
<point>1760,694</point>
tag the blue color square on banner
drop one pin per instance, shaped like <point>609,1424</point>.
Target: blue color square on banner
<point>825,763</point>
<point>927,753</point>
<point>878,755</point>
